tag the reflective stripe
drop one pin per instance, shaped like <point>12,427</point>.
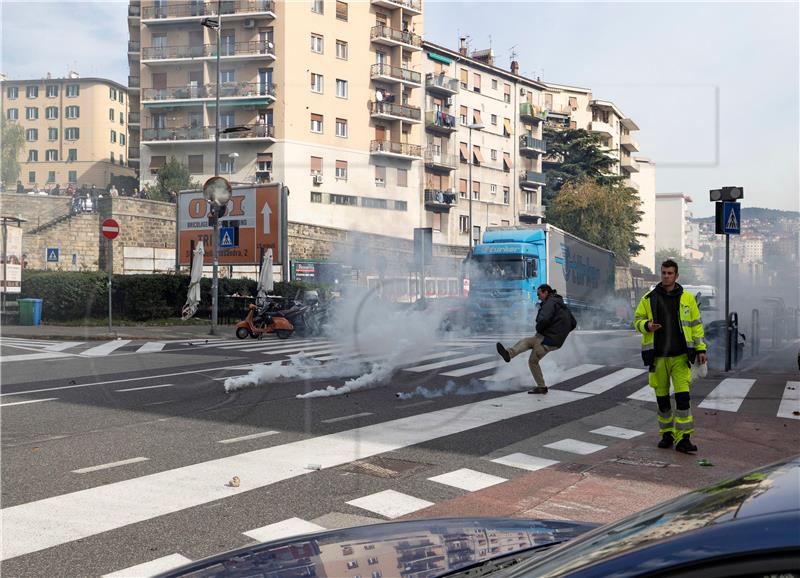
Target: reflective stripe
<point>648,346</point>
<point>697,321</point>
<point>699,341</point>
<point>639,317</point>
<point>664,430</point>
<point>684,426</point>
<point>683,414</point>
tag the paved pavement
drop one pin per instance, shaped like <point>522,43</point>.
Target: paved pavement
<point>101,333</point>
<point>144,444</point>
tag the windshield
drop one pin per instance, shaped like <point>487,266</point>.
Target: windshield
<point>270,267</point>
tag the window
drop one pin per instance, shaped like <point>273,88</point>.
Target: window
<point>341,170</point>
<point>51,90</point>
<point>72,112</point>
<point>462,115</point>
<point>341,88</point>
<point>111,114</point>
<point>73,90</point>
<point>494,119</point>
<point>31,135</point>
<point>400,206</point>
<point>225,164</point>
<point>402,177</point>
<point>111,156</point>
<point>33,156</point>
<point>494,84</point>
<point>352,201</point>
<point>380,176</point>
<point>506,195</point>
<point>436,225</point>
<point>494,154</point>
<point>316,165</point>
<point>318,6</point>
<point>317,44</point>
<point>72,155</point>
<point>51,155</point>
<point>476,232</point>
<point>476,116</point>
<point>32,91</point>
<point>52,134</point>
<point>72,176</point>
<point>341,10</point>
<point>476,191</point>
<point>341,49</point>
<point>12,114</point>
<point>121,99</point>
<point>51,112</point>
<point>506,127</point>
<point>196,164</point>
<point>227,75</point>
<point>73,133</point>
<point>316,123</point>
<point>51,176</point>
<point>122,118</point>
<point>31,176</point>
<point>113,136</point>
<point>122,139</point>
<point>112,93</point>
<point>264,162</point>
<point>374,203</point>
<point>13,92</point>
<point>462,188</point>
<point>477,156</point>
<point>493,189</point>
<point>463,223</point>
<point>507,92</point>
<point>316,197</point>
<point>464,77</point>
<point>341,127</point>
<point>476,82</point>
<point>31,112</point>
<point>316,82</point>
<point>156,162</point>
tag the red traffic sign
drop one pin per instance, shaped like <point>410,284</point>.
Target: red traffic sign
<point>109,228</point>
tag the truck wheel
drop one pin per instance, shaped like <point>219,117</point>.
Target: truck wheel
<point>242,332</point>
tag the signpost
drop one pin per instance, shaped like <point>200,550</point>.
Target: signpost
<point>423,253</point>
<point>728,222</point>
<point>52,255</point>
<point>110,230</point>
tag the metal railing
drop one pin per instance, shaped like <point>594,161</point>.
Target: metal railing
<point>395,109</point>
<point>531,111</point>
<point>397,148</point>
<point>412,4</point>
<point>252,48</point>
<point>442,82</point>
<point>133,153</point>
<point>134,118</point>
<point>533,177</point>
<point>207,9</point>
<point>133,82</point>
<point>444,160</point>
<point>441,197</point>
<point>134,46</point>
<point>134,11</point>
<point>406,37</point>
<point>440,120</point>
<point>397,72</point>
<point>536,144</point>
<point>532,209</point>
<point>205,133</point>
<point>227,90</point>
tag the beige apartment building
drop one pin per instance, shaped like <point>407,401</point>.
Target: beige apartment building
<point>76,130</point>
<point>331,107</point>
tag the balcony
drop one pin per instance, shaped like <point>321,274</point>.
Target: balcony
<point>438,161</point>
<point>134,12</point>
<point>176,135</point>
<point>392,37</point>
<point>529,112</point>
<point>395,149</point>
<point>134,47</point>
<point>392,111</point>
<point>601,127</point>
<point>229,51</point>
<point>441,84</point>
<point>133,118</point>
<point>440,200</point>
<point>629,164</point>
<point>388,73</point>
<point>531,213</point>
<point>531,179</point>
<point>629,143</point>
<point>231,9</point>
<point>248,92</point>
<point>440,122</point>
<point>133,153</point>
<point>530,146</point>
<point>410,6</point>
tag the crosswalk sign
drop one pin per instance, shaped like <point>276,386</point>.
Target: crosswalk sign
<point>227,237</point>
<point>52,255</point>
<point>732,218</point>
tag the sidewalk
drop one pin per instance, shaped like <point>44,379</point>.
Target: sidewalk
<point>101,333</point>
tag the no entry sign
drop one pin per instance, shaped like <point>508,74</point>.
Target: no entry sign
<point>109,228</point>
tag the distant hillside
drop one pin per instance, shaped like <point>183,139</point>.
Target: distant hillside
<point>759,213</point>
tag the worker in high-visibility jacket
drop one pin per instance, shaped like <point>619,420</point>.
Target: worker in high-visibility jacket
<point>672,340</point>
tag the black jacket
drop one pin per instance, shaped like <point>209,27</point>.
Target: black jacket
<point>554,321</point>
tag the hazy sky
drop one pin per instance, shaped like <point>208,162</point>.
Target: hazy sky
<point>666,65</point>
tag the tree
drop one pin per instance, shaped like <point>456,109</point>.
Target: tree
<point>686,270</point>
<point>578,155</point>
<point>13,137</point>
<point>173,176</point>
<point>605,215</point>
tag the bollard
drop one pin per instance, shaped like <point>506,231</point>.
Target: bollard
<point>755,338</point>
<point>776,329</point>
<point>733,340</point>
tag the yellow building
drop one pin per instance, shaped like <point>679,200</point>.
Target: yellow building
<point>76,130</point>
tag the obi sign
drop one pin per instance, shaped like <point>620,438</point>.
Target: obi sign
<point>253,220</point>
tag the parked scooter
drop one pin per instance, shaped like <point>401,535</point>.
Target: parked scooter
<point>256,325</point>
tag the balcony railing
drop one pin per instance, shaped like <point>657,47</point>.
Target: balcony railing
<point>532,178</point>
<point>133,118</point>
<point>253,48</point>
<point>529,143</point>
<point>529,111</point>
<point>227,90</point>
<point>395,148</point>
<point>601,127</point>
<point>134,46</point>
<point>440,121</point>
<point>134,11</point>
<point>415,5</point>
<point>440,198</point>
<point>133,153</point>
<point>441,83</point>
<point>393,35</point>
<point>439,160</point>
<point>396,72</point>
<point>383,108</point>
<point>133,82</point>
<point>207,9</point>
<point>205,133</point>
<point>629,143</point>
<point>531,211</point>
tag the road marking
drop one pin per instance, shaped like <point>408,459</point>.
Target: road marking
<point>29,401</point>
<point>283,529</point>
<point>325,348</point>
<point>267,344</point>
<point>645,394</point>
<point>105,348</point>
<point>63,345</point>
<point>390,504</point>
<point>447,362</point>
<point>52,521</point>
<point>159,402</point>
<point>33,356</point>
<point>146,387</point>
<point>248,437</point>
<point>728,395</point>
<point>151,568</point>
<point>610,381</point>
<point>473,369</point>
<point>347,417</point>
<point>565,375</point>
<point>617,432</point>
<point>575,446</point>
<point>525,462</point>
<point>790,401</point>
<point>467,479</point>
<point>417,404</point>
<point>151,347</point>
<point>108,466</point>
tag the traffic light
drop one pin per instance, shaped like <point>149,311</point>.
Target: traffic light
<point>727,194</point>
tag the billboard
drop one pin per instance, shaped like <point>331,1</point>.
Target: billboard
<point>11,269</point>
<point>253,222</point>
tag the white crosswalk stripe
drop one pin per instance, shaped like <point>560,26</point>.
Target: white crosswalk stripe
<point>728,395</point>
<point>106,348</point>
<point>448,363</point>
<point>612,380</point>
<point>283,529</point>
<point>157,566</point>
<point>790,401</point>
<point>43,349</point>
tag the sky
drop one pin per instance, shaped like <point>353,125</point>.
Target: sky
<point>714,87</point>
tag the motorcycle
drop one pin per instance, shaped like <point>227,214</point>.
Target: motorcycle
<point>256,325</point>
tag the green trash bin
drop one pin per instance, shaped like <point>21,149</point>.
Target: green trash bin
<point>30,311</point>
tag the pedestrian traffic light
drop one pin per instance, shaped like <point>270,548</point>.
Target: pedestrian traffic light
<point>727,194</point>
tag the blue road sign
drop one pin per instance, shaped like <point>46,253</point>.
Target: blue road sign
<point>52,255</point>
<point>731,218</point>
<point>226,238</point>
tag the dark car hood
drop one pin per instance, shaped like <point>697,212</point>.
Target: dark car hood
<point>438,546</point>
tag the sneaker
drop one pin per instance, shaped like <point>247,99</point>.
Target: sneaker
<point>685,445</point>
<point>666,440</point>
<point>503,352</point>
<point>538,389</point>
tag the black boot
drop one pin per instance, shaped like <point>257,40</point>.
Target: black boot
<point>685,445</point>
<point>666,440</point>
<point>503,352</point>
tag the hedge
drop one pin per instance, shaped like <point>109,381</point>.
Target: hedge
<point>69,296</point>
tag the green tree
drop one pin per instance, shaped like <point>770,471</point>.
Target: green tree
<point>686,270</point>
<point>578,155</point>
<point>13,137</point>
<point>603,214</point>
<point>173,176</point>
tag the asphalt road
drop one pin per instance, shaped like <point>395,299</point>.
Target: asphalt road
<point>122,456</point>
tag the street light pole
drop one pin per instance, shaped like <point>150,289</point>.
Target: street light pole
<point>471,127</point>
<point>215,234</point>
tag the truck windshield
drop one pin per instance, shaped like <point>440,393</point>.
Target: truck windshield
<point>502,267</point>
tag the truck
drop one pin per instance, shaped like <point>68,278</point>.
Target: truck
<point>505,269</point>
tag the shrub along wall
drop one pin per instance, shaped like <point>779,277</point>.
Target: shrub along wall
<point>73,295</point>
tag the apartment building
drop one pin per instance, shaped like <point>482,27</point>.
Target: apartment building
<point>324,96</point>
<point>672,216</point>
<point>483,139</point>
<point>644,181</point>
<point>75,129</point>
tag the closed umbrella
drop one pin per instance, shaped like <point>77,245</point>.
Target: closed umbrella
<point>265,283</point>
<point>193,298</point>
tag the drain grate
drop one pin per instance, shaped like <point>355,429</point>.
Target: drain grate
<point>383,467</point>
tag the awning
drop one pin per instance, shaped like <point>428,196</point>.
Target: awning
<point>264,156</point>
<point>464,152</point>
<point>259,100</point>
<point>438,58</point>
<point>477,152</point>
<point>507,161</point>
<point>173,104</point>
<point>507,126</point>
<point>157,162</point>
<point>476,116</point>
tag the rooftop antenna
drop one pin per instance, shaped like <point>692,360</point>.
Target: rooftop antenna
<point>512,54</point>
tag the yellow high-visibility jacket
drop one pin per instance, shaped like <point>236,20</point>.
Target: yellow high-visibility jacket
<point>691,323</point>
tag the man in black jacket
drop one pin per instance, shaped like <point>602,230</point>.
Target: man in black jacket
<point>553,323</point>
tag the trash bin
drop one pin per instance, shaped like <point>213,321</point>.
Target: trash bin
<point>30,311</point>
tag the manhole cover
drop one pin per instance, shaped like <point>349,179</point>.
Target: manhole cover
<point>643,462</point>
<point>383,467</point>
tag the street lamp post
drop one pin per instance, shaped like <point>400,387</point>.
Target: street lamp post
<point>471,127</point>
